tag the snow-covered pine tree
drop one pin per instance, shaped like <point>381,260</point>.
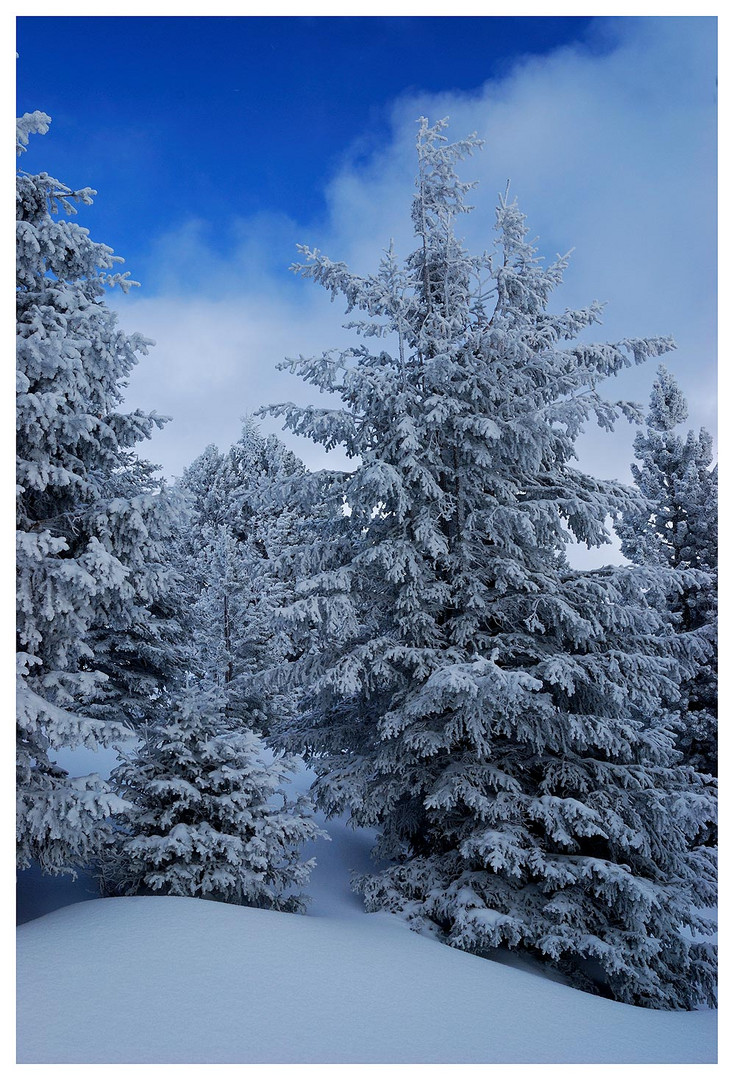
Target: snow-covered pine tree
<point>236,557</point>
<point>199,482</point>
<point>677,527</point>
<point>252,471</point>
<point>226,619</point>
<point>500,717</point>
<point>206,813</point>
<point>93,632</point>
<point>238,488</point>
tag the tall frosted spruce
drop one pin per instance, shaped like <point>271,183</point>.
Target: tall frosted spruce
<point>677,527</point>
<point>94,626</point>
<point>501,718</point>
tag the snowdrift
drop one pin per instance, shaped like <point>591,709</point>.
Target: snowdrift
<point>177,980</point>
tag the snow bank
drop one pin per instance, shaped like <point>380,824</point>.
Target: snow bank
<point>176,980</point>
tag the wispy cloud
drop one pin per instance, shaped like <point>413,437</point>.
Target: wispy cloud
<point>610,149</point>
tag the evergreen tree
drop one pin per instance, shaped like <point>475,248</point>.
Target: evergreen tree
<point>227,620</point>
<point>204,815</point>
<point>94,632</point>
<point>236,559</point>
<point>199,482</point>
<point>677,528</point>
<point>502,719</point>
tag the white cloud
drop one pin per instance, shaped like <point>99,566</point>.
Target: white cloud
<point>610,149</point>
<point>215,361</point>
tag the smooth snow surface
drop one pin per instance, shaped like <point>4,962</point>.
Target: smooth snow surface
<point>177,980</point>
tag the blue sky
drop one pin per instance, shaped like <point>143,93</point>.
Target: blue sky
<point>218,144</point>
<point>169,117</point>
